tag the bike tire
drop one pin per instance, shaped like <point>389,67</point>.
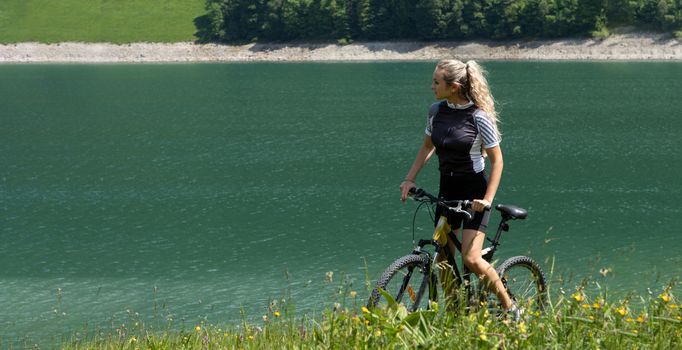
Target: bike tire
<point>525,282</point>
<point>407,282</point>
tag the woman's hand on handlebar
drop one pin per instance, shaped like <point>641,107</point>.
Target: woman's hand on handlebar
<point>405,187</point>
<point>480,205</point>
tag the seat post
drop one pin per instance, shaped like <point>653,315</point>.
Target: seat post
<point>503,226</point>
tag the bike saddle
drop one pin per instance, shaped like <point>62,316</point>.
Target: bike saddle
<point>512,210</point>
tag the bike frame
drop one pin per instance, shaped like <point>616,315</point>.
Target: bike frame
<point>459,278</point>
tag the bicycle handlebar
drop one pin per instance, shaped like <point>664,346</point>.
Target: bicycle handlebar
<point>458,206</point>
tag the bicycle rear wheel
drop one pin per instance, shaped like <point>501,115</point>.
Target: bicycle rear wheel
<point>525,282</point>
<point>407,280</point>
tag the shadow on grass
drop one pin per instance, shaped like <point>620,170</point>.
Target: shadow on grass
<point>203,33</point>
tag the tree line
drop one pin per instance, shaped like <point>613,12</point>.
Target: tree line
<point>348,20</point>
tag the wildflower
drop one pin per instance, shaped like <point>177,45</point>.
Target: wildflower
<point>585,306</point>
<point>353,294</point>
<point>596,305</point>
<point>591,317</point>
<point>604,271</point>
<point>635,331</point>
<point>483,337</point>
<point>377,333</point>
<point>198,328</point>
<point>679,318</point>
<point>480,328</point>
<point>578,296</point>
<point>277,314</point>
<point>622,311</point>
<point>673,306</point>
<point>366,322</point>
<point>356,319</point>
<point>666,297</point>
<point>265,318</point>
<point>336,306</point>
<point>250,337</point>
<point>629,319</point>
<point>364,310</point>
<point>133,339</point>
<point>522,328</point>
<point>640,319</point>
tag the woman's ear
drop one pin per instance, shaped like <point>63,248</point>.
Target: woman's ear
<point>454,87</point>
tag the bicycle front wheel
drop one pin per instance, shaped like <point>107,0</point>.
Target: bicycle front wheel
<point>407,280</point>
<point>525,282</point>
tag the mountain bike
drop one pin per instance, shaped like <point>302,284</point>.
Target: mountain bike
<point>411,278</point>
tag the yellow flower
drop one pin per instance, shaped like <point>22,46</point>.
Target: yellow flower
<point>591,317</point>
<point>629,319</point>
<point>673,306</point>
<point>480,328</point>
<point>483,337</point>
<point>364,310</point>
<point>133,339</point>
<point>666,297</point>
<point>366,322</point>
<point>635,331</point>
<point>377,333</point>
<point>522,328</point>
<point>250,337</point>
<point>353,294</point>
<point>356,319</point>
<point>622,311</point>
<point>277,314</point>
<point>640,319</point>
<point>578,297</point>
<point>198,328</point>
<point>596,305</point>
<point>585,306</point>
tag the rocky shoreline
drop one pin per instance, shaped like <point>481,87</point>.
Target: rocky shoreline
<point>615,47</point>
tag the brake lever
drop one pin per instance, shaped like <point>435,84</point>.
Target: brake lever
<point>458,209</point>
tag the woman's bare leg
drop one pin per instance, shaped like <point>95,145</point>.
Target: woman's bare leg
<point>472,244</point>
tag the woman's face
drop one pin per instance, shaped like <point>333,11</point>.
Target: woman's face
<point>440,88</point>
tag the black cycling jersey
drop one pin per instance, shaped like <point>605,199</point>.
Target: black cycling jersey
<point>459,132</point>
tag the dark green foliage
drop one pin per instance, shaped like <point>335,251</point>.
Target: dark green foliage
<point>347,20</point>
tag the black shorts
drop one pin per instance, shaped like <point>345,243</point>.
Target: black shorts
<point>467,186</point>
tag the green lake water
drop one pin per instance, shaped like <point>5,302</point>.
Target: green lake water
<point>188,192</point>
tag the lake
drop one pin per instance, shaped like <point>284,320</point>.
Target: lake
<point>189,192</point>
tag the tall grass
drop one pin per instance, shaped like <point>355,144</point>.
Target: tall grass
<point>120,21</point>
<point>571,320</point>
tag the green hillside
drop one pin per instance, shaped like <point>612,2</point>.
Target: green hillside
<point>116,21</point>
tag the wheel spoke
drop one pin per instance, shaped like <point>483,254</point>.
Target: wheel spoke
<point>404,277</point>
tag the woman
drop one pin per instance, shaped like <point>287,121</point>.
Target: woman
<point>462,129</point>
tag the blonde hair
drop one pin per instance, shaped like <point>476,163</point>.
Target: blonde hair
<point>471,77</point>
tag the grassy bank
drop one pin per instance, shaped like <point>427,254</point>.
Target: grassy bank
<point>573,320</point>
<point>119,21</point>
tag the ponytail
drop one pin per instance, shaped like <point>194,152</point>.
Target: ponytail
<point>479,92</point>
